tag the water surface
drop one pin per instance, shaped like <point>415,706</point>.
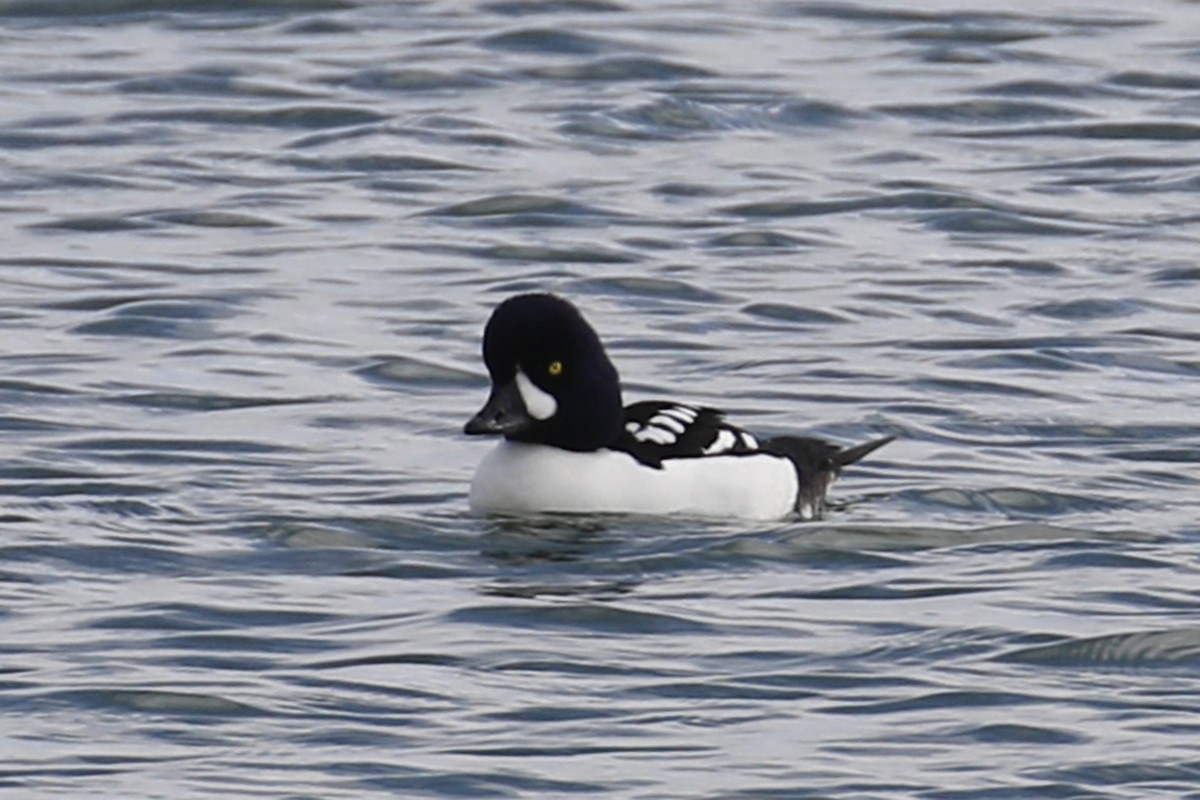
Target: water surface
<point>250,248</point>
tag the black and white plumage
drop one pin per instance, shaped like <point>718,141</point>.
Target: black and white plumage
<point>657,429</point>
<point>571,447</point>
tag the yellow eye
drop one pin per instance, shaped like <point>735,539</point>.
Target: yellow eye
<point>555,369</point>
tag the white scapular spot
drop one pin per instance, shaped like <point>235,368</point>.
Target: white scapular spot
<point>652,433</point>
<point>669,423</point>
<point>685,414</point>
<point>540,404</point>
<point>749,440</point>
<point>725,441</point>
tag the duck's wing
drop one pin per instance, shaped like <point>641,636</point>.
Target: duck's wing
<point>658,429</point>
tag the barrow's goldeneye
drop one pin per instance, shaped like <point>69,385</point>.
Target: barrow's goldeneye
<point>571,447</point>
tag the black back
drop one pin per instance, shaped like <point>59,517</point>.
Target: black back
<point>655,430</point>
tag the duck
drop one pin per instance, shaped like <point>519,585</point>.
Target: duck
<point>570,446</point>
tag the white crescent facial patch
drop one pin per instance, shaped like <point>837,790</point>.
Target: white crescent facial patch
<point>541,405</point>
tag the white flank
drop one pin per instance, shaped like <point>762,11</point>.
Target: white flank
<point>518,478</point>
<point>540,405</point>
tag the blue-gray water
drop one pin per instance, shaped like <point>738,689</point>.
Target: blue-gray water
<point>249,249</point>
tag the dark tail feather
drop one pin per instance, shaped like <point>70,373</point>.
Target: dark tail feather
<point>817,463</point>
<point>849,455</point>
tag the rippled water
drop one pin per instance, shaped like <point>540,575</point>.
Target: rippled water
<point>249,251</point>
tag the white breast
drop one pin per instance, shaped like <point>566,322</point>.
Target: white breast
<point>520,478</point>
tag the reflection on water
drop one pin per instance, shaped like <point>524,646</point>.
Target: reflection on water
<point>250,251</point>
